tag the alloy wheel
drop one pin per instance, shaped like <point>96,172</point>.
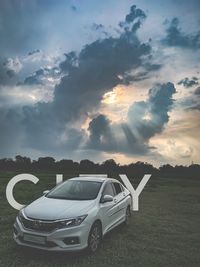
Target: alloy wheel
<point>94,238</point>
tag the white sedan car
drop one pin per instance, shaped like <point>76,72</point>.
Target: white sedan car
<point>74,215</point>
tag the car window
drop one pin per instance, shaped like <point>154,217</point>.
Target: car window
<point>108,190</point>
<point>117,188</point>
<point>122,188</point>
<point>76,190</point>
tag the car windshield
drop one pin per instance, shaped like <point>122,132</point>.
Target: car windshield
<point>76,190</point>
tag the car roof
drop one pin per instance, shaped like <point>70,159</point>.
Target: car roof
<point>94,178</point>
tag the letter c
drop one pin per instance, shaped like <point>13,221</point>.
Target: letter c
<point>13,182</point>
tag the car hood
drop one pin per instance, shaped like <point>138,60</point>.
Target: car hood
<point>53,209</point>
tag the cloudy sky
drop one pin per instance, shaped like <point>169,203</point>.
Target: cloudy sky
<point>100,79</point>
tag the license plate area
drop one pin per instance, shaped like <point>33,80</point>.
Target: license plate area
<point>35,239</point>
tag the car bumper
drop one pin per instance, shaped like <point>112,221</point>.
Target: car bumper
<point>68,239</point>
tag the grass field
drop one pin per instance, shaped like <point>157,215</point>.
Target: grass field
<point>164,232</point>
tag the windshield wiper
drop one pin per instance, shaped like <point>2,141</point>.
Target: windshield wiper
<point>67,198</point>
<point>57,197</point>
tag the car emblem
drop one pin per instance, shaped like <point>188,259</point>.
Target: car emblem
<point>36,224</point>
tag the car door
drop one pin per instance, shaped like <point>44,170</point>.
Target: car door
<point>120,200</point>
<point>108,210</point>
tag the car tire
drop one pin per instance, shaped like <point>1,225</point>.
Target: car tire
<point>127,216</point>
<point>95,237</point>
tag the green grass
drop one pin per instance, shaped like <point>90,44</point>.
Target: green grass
<point>165,231</point>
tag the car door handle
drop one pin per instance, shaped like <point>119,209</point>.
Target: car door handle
<point>124,194</point>
<point>115,200</point>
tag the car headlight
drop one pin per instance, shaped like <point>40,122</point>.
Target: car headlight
<point>71,222</point>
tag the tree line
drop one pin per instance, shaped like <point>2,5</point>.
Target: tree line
<point>49,164</point>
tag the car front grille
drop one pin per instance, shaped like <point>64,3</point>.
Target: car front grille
<point>38,225</point>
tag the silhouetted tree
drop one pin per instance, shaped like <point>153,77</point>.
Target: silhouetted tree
<point>133,170</point>
<point>45,163</point>
<point>109,164</point>
<point>65,164</point>
<point>86,165</point>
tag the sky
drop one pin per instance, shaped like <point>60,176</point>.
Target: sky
<point>95,80</point>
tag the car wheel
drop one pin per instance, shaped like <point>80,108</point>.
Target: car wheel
<point>128,216</point>
<point>95,237</point>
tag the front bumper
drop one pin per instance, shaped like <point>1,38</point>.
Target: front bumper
<point>58,240</point>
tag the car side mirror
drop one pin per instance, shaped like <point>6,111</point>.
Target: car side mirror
<point>107,198</point>
<point>45,192</point>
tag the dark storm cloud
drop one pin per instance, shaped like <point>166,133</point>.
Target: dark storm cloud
<point>87,76</point>
<point>133,20</point>
<point>32,80</point>
<point>99,66</point>
<point>153,113</point>
<point>38,77</point>
<point>141,75</point>
<point>147,118</point>
<point>9,67</point>
<point>144,120</point>
<point>33,52</point>
<point>176,37</point>
<point>101,137</point>
<point>186,82</point>
<point>97,27</point>
<point>70,62</point>
<point>95,71</point>
<point>134,14</point>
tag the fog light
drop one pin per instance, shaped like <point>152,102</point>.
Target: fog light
<point>71,240</point>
